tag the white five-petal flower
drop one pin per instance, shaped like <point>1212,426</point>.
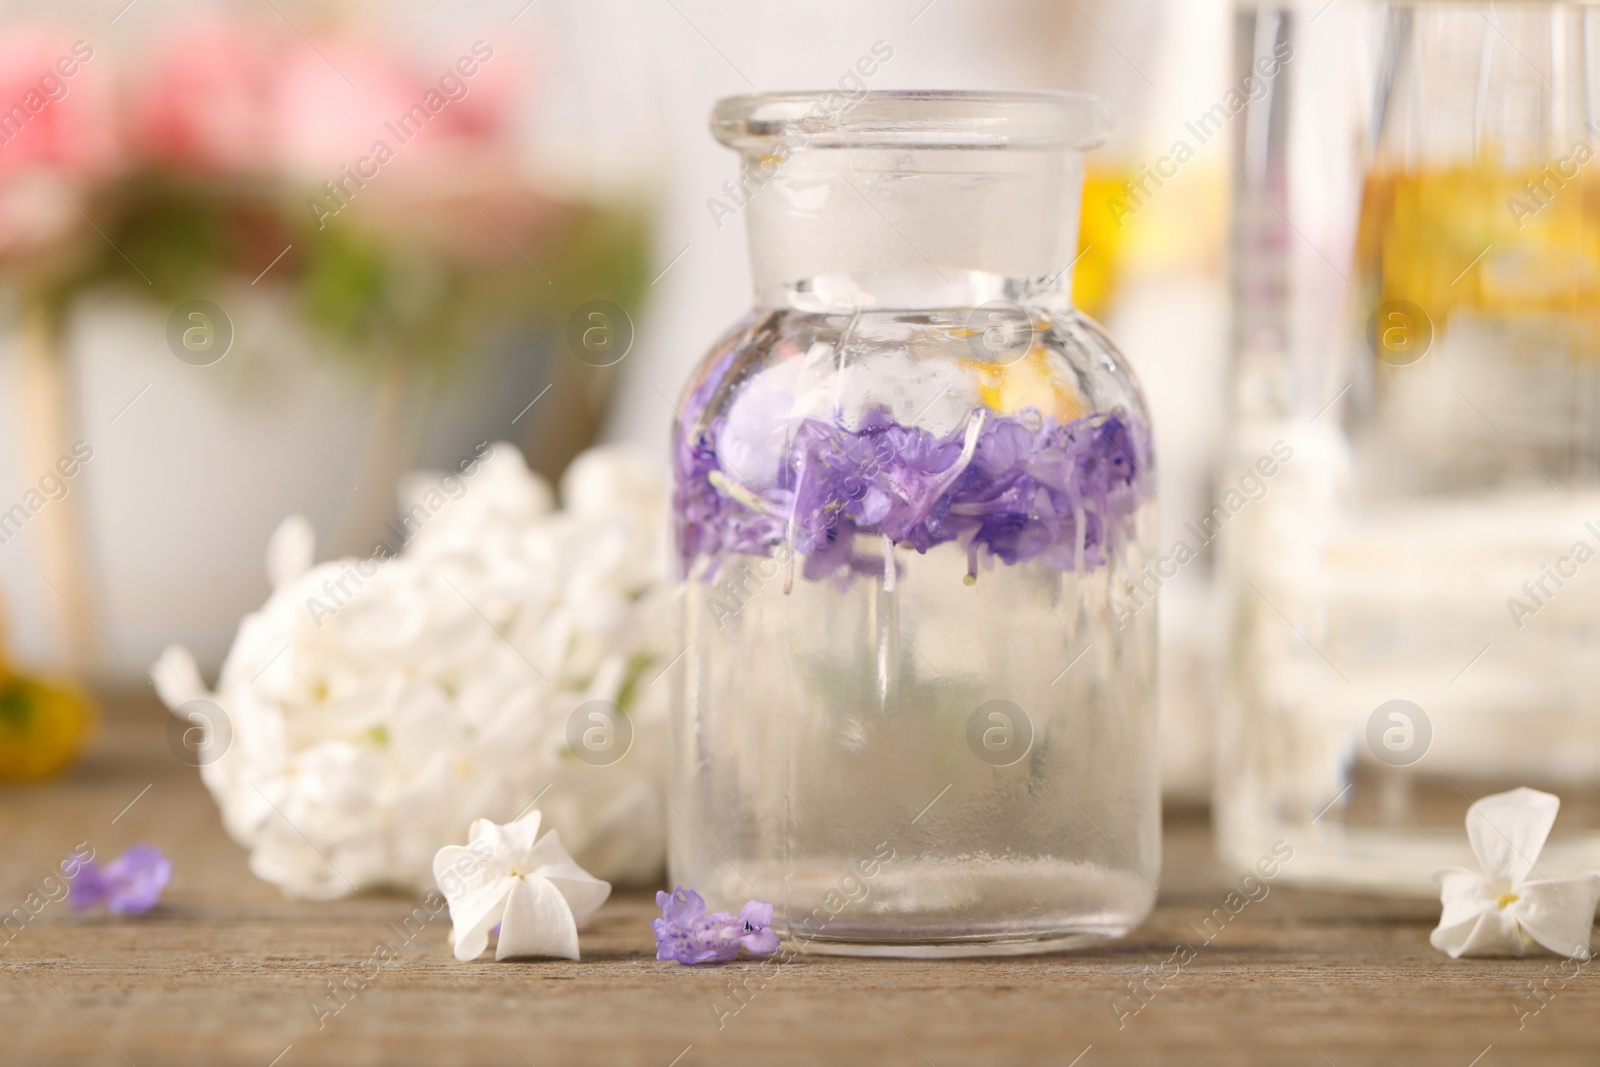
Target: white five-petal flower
<point>509,875</point>
<point>1500,911</point>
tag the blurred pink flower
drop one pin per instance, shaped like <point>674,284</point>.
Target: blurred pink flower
<point>234,99</point>
<point>55,105</point>
<point>332,107</point>
<point>58,135</point>
<point>205,104</point>
<point>485,109</point>
<point>330,104</point>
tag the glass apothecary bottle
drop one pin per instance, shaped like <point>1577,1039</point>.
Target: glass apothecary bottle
<point>1418,301</point>
<point>913,488</point>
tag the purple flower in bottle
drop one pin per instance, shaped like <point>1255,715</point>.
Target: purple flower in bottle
<point>687,934</point>
<point>130,884</point>
<point>1017,487</point>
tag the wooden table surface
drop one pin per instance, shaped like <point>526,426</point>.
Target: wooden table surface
<point>226,970</point>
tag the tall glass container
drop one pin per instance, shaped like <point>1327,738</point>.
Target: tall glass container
<point>913,487</point>
<point>1418,295</point>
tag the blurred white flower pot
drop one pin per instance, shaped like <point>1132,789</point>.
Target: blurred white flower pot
<point>192,467</point>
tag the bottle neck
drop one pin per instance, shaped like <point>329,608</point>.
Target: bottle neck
<point>850,229</point>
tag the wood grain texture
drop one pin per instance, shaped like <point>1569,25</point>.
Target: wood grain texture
<point>226,970</point>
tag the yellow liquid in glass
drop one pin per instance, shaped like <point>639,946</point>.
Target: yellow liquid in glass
<point>1484,238</point>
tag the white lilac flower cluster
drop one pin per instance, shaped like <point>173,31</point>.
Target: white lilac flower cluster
<point>372,709</point>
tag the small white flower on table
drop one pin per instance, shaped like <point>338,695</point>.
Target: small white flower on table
<point>527,884</point>
<point>1500,911</point>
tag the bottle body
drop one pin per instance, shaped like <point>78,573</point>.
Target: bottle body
<point>918,706</point>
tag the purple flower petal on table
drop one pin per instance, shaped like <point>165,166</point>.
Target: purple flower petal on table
<point>758,939</point>
<point>89,887</point>
<point>756,914</point>
<point>136,879</point>
<point>686,934</point>
<point>682,943</point>
<point>680,905</point>
<point>722,932</point>
<point>760,942</point>
<point>683,931</point>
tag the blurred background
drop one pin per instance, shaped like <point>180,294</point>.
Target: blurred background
<point>222,303</point>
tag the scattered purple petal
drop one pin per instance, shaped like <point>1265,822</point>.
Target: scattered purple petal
<point>681,905</point>
<point>130,884</point>
<point>89,887</point>
<point>760,942</point>
<point>687,934</point>
<point>756,914</point>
